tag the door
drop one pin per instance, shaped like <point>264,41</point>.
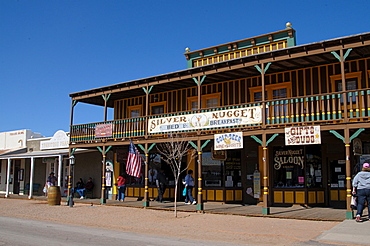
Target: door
<point>337,184</point>
<point>16,180</point>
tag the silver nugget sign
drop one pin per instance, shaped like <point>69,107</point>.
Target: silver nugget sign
<point>214,119</point>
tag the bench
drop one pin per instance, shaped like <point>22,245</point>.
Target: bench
<point>35,188</point>
<point>88,194</point>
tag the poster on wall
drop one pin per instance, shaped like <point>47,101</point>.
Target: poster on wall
<point>302,135</point>
<point>256,184</point>
<point>231,140</point>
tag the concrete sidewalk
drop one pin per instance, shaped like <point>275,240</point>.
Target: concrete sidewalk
<point>348,232</point>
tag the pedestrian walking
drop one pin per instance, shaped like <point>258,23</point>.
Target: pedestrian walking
<point>189,184</point>
<point>361,184</point>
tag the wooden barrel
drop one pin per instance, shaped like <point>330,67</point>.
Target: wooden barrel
<point>54,196</point>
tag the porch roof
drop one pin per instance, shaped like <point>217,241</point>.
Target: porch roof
<point>12,151</point>
<point>41,154</point>
<point>295,57</point>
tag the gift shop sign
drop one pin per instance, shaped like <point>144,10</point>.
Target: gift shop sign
<point>103,130</point>
<point>214,119</point>
<point>302,135</point>
<point>232,140</point>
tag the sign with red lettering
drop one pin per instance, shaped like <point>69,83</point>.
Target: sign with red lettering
<point>103,130</point>
<point>302,135</point>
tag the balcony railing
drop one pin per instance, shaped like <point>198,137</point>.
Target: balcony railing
<point>328,108</point>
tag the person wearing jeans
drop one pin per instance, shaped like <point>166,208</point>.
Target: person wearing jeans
<point>189,184</point>
<point>361,184</point>
<point>121,185</point>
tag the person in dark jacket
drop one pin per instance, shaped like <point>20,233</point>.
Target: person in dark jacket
<point>161,183</point>
<point>361,184</point>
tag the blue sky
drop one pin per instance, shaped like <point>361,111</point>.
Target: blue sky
<point>49,49</point>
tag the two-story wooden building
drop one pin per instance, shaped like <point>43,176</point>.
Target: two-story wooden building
<point>293,119</point>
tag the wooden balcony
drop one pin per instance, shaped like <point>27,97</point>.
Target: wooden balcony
<point>310,110</point>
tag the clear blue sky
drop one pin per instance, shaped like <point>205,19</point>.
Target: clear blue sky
<point>49,49</point>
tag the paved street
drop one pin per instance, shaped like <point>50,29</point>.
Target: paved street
<point>96,224</point>
<point>15,231</point>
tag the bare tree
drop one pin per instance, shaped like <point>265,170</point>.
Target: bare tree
<point>173,153</point>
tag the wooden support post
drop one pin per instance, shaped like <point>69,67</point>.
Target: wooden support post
<point>199,197</point>
<point>146,179</point>
<point>265,208</point>
<point>344,86</point>
<point>102,196</point>
<point>347,144</point>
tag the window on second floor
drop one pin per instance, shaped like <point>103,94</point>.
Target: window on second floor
<point>207,101</point>
<point>157,108</point>
<point>134,111</point>
<point>275,91</point>
<point>352,83</point>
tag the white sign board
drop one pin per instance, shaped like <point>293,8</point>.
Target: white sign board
<point>213,119</point>
<point>233,140</point>
<point>302,135</point>
<point>58,141</point>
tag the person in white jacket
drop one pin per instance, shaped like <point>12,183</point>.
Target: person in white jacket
<point>361,183</point>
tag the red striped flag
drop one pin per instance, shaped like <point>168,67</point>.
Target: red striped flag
<point>133,165</point>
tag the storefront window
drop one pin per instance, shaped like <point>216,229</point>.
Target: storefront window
<point>297,167</point>
<point>288,165</point>
<point>211,171</point>
<point>233,169</point>
<point>313,167</point>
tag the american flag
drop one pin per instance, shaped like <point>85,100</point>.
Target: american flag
<point>133,165</point>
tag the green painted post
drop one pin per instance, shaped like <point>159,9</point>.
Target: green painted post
<point>362,106</point>
<point>273,110</point>
<point>302,113</point>
<point>267,115</point>
<point>323,108</point>
<point>328,112</point>
<point>349,215</point>
<point>312,109</point>
<point>296,114</point>
<point>286,111</point>
<point>357,109</point>
<point>318,108</point>
<point>292,112</point>
<point>335,113</point>
<point>351,110</point>
<point>368,109</point>
<point>339,109</point>
<point>307,110</point>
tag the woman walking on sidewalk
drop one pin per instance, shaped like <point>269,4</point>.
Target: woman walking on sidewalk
<point>361,184</point>
<point>189,184</point>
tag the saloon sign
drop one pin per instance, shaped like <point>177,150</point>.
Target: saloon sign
<point>302,135</point>
<point>287,158</point>
<point>214,119</point>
